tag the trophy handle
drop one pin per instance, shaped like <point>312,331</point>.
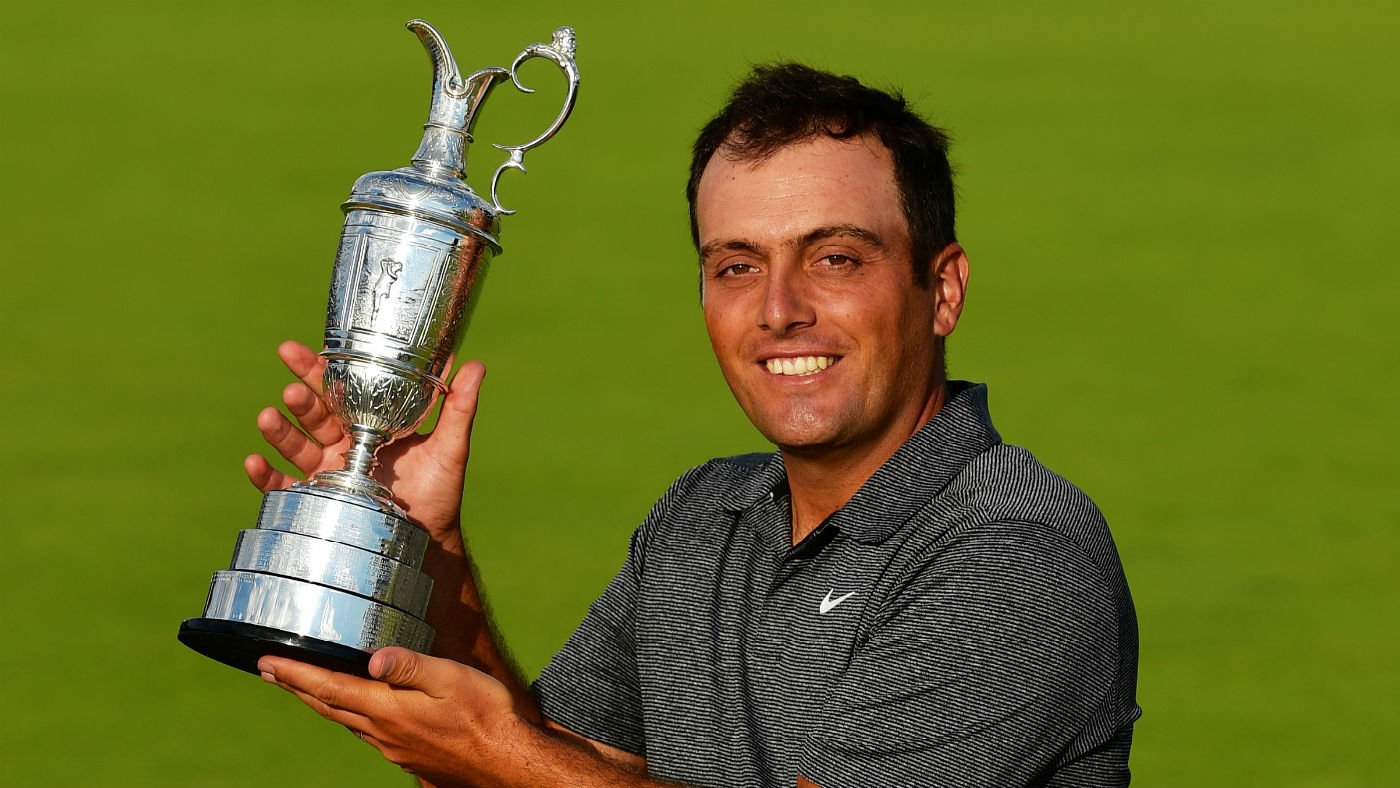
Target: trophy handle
<point>560,50</point>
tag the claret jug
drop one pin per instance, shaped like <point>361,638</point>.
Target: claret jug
<point>332,571</point>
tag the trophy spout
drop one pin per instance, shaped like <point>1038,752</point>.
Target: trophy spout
<point>453,110</point>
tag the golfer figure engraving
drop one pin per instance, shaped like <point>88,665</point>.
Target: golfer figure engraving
<point>332,571</point>
<point>389,270</point>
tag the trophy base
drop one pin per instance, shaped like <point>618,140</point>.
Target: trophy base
<point>241,645</point>
<point>327,577</point>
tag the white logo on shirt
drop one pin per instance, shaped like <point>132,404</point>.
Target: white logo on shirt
<point>829,603</point>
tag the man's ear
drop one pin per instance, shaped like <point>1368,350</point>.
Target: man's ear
<point>949,280</point>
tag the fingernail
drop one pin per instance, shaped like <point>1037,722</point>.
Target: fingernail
<point>387,665</point>
<point>268,677</point>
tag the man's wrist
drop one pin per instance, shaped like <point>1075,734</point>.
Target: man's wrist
<point>449,540</point>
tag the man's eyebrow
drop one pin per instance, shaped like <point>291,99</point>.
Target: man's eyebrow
<point>738,245</point>
<point>853,231</point>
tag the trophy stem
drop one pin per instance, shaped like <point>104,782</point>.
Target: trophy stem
<point>359,462</point>
<point>360,459</point>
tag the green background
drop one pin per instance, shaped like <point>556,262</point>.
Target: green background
<point>1181,217</point>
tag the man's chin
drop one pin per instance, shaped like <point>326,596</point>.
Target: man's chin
<point>800,423</point>
<point>801,439</point>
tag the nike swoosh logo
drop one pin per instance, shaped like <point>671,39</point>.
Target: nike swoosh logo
<point>829,603</point>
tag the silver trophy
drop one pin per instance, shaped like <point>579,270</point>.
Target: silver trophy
<point>333,570</point>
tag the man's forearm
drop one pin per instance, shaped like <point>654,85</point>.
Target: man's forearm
<point>465,632</point>
<point>533,755</point>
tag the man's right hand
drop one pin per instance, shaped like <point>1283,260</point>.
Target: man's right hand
<point>424,472</point>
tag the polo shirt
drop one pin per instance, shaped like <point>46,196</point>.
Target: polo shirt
<point>962,620</point>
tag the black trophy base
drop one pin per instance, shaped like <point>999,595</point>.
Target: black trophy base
<point>241,645</point>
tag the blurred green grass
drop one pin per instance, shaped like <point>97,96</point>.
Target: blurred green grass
<point>1180,220</point>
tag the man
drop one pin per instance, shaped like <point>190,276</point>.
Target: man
<point>895,597</point>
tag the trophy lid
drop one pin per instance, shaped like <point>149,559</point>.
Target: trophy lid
<point>422,194</point>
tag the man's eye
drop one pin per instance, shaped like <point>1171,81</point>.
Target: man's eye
<point>735,269</point>
<point>838,260</point>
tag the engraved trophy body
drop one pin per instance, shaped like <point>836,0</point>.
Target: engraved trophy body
<point>332,571</point>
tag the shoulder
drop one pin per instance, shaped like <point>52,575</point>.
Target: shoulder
<point>1009,481</point>
<point>717,483</point>
<point>1010,529</point>
<point>1006,490</point>
<point>1013,561</point>
<point>699,498</point>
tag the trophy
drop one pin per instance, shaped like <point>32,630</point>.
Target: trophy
<point>332,571</point>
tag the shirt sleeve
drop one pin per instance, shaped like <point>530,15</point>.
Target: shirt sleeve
<point>983,668</point>
<point>591,686</point>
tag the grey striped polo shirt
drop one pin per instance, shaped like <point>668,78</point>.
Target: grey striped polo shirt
<point>962,620</point>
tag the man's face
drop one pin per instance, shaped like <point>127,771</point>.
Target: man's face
<point>810,301</point>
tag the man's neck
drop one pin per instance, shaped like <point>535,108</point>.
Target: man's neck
<point>820,482</point>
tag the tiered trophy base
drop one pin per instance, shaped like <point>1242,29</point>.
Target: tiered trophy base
<point>328,577</point>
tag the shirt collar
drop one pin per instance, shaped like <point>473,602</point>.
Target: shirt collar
<point>768,479</point>
<point>913,476</point>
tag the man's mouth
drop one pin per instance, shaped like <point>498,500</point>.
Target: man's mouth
<point>800,365</point>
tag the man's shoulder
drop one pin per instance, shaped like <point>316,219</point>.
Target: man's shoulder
<point>723,483</point>
<point>1007,503</point>
<point>1007,483</point>
<point>1006,500</point>
<point>698,509</point>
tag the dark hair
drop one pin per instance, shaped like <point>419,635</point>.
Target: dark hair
<point>786,103</point>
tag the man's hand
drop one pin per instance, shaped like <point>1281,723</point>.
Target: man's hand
<point>435,718</point>
<point>450,724</point>
<point>425,472</point>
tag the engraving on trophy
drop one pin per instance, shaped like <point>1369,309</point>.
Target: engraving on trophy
<point>398,290</point>
<point>328,518</point>
<point>405,191</point>
<point>333,569</point>
<point>389,270</point>
<point>392,404</point>
<point>346,255</point>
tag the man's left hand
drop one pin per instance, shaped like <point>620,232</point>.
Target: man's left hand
<point>433,717</point>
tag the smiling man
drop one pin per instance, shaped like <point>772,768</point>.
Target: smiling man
<point>894,597</point>
<point>812,309</point>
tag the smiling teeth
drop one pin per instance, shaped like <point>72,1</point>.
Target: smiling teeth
<point>809,365</point>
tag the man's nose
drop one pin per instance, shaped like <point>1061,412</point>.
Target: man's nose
<point>787,305</point>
